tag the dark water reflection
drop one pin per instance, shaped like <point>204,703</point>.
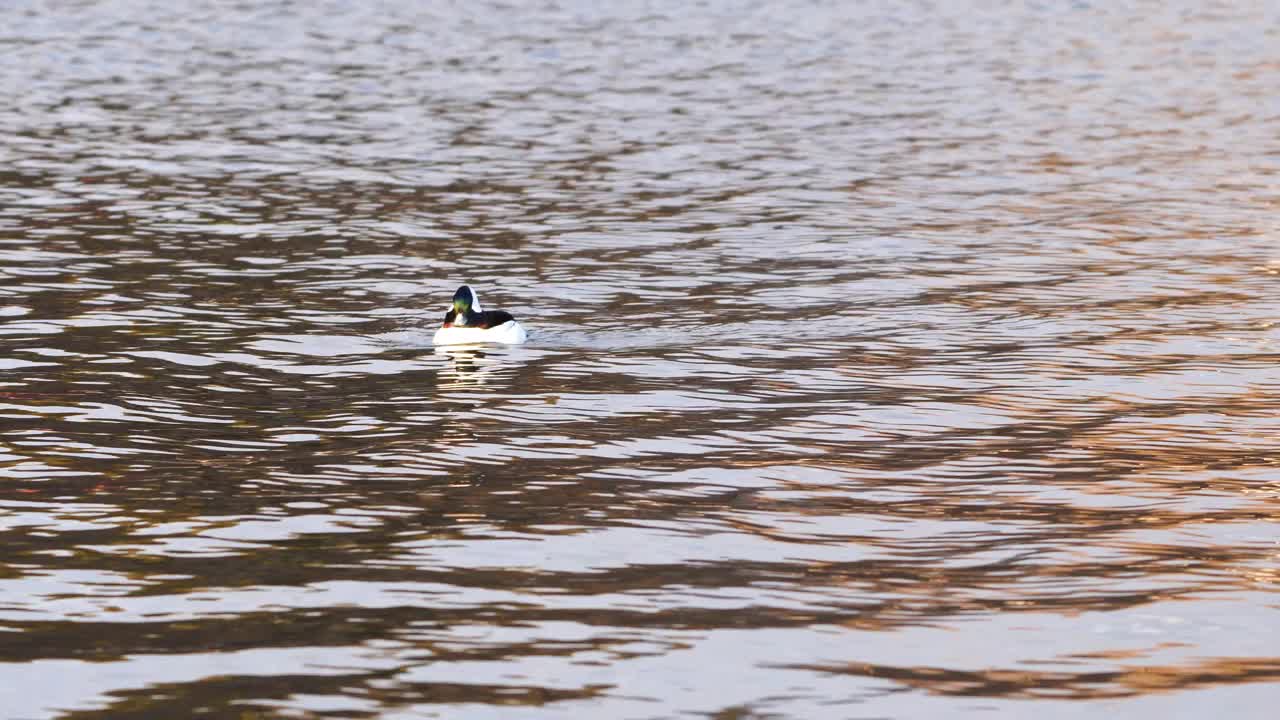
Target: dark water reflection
<point>888,360</point>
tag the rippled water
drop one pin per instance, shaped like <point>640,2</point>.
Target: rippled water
<point>888,360</point>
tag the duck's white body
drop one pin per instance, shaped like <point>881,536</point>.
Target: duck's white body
<point>509,333</point>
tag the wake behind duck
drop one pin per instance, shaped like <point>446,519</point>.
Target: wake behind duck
<point>466,323</point>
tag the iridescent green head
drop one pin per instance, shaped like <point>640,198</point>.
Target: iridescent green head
<point>464,301</point>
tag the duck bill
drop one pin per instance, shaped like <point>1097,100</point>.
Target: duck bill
<point>460,313</point>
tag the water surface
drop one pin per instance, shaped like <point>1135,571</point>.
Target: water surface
<point>887,360</point>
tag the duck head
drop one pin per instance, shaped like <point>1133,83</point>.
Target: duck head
<point>465,305</point>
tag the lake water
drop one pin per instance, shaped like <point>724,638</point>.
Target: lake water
<point>887,360</point>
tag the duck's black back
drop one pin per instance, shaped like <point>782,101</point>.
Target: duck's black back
<point>493,318</point>
<point>480,320</point>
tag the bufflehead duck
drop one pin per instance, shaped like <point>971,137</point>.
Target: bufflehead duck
<point>466,322</point>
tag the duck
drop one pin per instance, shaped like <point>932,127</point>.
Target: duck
<point>466,322</point>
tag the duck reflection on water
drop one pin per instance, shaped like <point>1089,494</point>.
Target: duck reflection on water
<point>468,367</point>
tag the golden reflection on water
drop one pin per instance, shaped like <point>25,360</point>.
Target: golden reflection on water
<point>887,361</point>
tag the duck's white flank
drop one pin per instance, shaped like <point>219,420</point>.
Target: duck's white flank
<point>508,333</point>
